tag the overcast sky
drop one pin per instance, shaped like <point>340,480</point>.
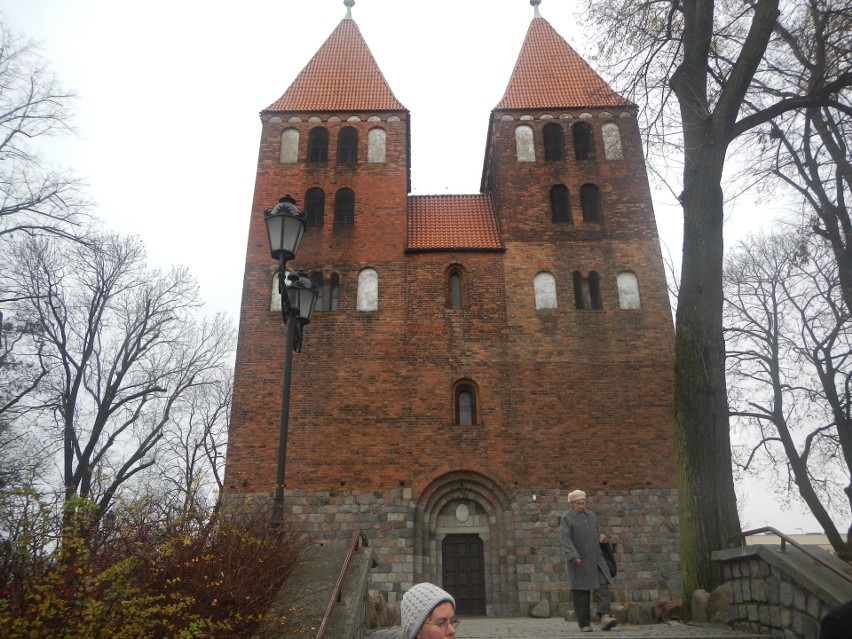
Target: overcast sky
<point>170,91</point>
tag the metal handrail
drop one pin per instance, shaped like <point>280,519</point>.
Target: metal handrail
<point>358,535</point>
<point>787,540</point>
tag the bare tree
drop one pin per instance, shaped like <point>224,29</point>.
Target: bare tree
<point>193,458</point>
<point>123,346</point>
<point>34,198</point>
<point>700,69</point>
<point>789,337</point>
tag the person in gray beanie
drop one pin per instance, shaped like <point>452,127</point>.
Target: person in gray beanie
<point>428,612</point>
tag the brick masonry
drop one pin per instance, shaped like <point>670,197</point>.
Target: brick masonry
<point>565,397</point>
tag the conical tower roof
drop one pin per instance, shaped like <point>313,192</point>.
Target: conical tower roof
<point>550,74</point>
<point>342,76</point>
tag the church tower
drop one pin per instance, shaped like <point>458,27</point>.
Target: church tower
<point>473,358</point>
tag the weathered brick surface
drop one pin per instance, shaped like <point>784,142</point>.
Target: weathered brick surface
<point>566,398</point>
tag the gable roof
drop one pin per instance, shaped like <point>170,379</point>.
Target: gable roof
<point>550,74</point>
<point>452,222</point>
<point>342,76</point>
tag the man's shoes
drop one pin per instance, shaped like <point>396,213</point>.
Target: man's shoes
<point>608,622</point>
<point>585,629</point>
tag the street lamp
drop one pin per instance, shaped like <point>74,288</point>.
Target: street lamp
<point>285,225</point>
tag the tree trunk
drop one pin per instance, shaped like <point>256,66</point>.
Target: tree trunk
<point>707,500</point>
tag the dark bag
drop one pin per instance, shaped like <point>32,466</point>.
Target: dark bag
<point>609,557</point>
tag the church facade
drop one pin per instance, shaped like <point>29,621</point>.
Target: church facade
<point>472,358</point>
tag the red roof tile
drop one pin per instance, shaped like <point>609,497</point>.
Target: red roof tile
<point>550,74</point>
<point>452,222</point>
<point>342,76</point>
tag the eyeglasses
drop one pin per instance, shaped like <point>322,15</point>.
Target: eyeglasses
<point>443,623</point>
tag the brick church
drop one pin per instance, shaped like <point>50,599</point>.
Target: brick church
<point>472,358</point>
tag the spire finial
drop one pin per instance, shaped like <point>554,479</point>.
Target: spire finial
<point>349,4</point>
<point>535,4</point>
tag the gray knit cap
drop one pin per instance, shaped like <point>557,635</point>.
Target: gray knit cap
<point>418,603</point>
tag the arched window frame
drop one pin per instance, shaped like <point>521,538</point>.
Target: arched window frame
<point>318,145</point>
<point>317,280</point>
<point>611,135</point>
<point>288,152</point>
<point>560,204</point>
<point>587,291</point>
<point>544,289</point>
<point>347,145</point>
<point>314,206</point>
<point>584,141</point>
<point>524,143</point>
<point>368,291</point>
<point>456,287</point>
<point>376,146</point>
<point>628,290</point>
<point>554,142</point>
<point>465,403</point>
<point>344,208</point>
<point>590,203</point>
<point>334,292</point>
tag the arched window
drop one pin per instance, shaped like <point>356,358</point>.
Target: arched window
<point>333,292</point>
<point>315,206</point>
<point>344,207</point>
<point>465,404</point>
<point>316,279</point>
<point>524,144</point>
<point>584,146</point>
<point>554,144</point>
<point>612,141</point>
<point>376,144</point>
<point>347,146</point>
<point>628,290</point>
<point>455,288</point>
<point>544,285</point>
<point>289,152</point>
<point>590,202</point>
<point>318,146</point>
<point>368,290</point>
<point>560,203</point>
<point>587,291</point>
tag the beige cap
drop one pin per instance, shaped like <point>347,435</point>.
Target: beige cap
<point>576,495</point>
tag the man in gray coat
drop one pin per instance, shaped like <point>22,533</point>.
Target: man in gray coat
<point>584,563</point>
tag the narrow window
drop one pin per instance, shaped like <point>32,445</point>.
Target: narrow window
<point>333,292</point>
<point>628,290</point>
<point>316,279</point>
<point>376,145</point>
<point>554,143</point>
<point>455,288</point>
<point>524,145</point>
<point>368,290</point>
<point>612,141</point>
<point>465,400</point>
<point>544,285</point>
<point>347,146</point>
<point>318,146</point>
<point>344,207</point>
<point>584,148</point>
<point>587,291</point>
<point>590,202</point>
<point>289,152</point>
<point>315,206</point>
<point>560,203</point>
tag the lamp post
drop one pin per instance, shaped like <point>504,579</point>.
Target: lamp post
<point>285,225</point>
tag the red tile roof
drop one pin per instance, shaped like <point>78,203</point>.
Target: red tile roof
<point>452,222</point>
<point>342,76</point>
<point>550,74</point>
